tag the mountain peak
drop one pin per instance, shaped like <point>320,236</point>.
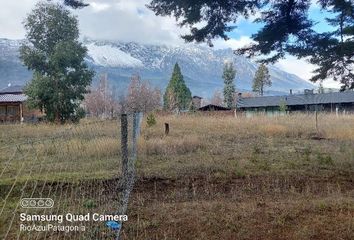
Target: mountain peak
<point>201,66</point>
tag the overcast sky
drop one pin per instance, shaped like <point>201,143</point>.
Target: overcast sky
<point>130,20</point>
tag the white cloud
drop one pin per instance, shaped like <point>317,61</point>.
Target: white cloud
<point>128,21</point>
<point>299,67</point>
<point>97,7</point>
<point>12,14</point>
<point>233,43</point>
<point>329,83</point>
<point>303,69</point>
<point>103,19</point>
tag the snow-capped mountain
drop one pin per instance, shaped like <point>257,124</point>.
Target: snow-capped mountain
<point>201,66</point>
<point>108,56</point>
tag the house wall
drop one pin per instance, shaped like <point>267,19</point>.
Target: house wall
<point>217,113</point>
<point>270,111</point>
<point>267,111</point>
<point>11,112</point>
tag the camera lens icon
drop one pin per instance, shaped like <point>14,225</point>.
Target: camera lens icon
<point>24,203</point>
<point>37,203</point>
<point>40,203</point>
<point>32,203</point>
<point>49,203</point>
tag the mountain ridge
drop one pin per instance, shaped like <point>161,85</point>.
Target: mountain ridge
<point>201,66</point>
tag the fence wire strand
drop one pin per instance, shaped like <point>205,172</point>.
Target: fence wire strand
<point>78,166</point>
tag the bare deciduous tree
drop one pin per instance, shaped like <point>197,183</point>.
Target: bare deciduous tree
<point>100,102</point>
<point>217,98</point>
<point>142,97</point>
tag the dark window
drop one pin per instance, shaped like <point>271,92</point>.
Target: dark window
<point>2,110</point>
<point>12,110</point>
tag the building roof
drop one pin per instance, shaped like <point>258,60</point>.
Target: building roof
<point>301,99</point>
<point>12,98</point>
<point>212,107</point>
<point>12,89</point>
<point>197,97</point>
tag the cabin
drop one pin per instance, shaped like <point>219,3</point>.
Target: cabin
<point>338,102</point>
<point>13,106</point>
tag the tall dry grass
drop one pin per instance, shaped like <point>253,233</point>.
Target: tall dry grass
<point>220,146</point>
<point>72,151</point>
<point>211,177</point>
<point>294,125</point>
<point>225,146</point>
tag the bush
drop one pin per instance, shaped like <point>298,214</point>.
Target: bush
<point>151,120</point>
<point>324,159</point>
<point>79,114</point>
<point>90,203</point>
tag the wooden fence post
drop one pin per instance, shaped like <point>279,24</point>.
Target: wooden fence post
<point>317,121</point>
<point>167,129</point>
<point>128,165</point>
<point>124,143</point>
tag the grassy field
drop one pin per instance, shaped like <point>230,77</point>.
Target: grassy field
<point>211,178</point>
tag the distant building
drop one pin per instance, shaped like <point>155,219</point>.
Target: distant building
<point>13,106</point>
<point>197,102</point>
<point>309,101</point>
<point>212,107</point>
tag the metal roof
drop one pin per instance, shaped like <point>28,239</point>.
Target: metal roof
<point>301,99</point>
<point>12,98</point>
<point>12,89</point>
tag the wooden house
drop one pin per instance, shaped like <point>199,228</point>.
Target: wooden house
<point>13,106</point>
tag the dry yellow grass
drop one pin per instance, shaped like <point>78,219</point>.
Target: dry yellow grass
<point>227,146</point>
<point>210,178</point>
<point>223,146</point>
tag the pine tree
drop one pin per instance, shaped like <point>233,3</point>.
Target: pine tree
<point>75,3</point>
<point>229,75</point>
<point>287,28</point>
<point>333,52</point>
<point>177,95</point>
<point>53,52</point>
<point>261,79</point>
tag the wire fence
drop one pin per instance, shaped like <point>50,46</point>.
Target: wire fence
<point>79,167</point>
